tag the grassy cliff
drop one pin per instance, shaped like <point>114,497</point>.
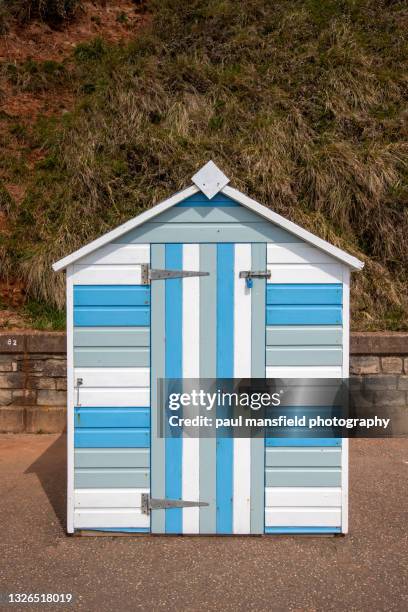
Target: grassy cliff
<point>301,102</point>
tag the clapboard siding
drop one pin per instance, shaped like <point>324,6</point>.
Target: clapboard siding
<point>117,254</point>
<point>96,316</point>
<point>112,417</point>
<point>111,295</point>
<point>107,275</point>
<point>111,357</point>
<point>118,478</point>
<point>308,335</point>
<point>283,442</point>
<point>113,377</point>
<point>296,253</point>
<point>109,498</point>
<point>111,336</point>
<point>303,372</point>
<point>303,477</point>
<point>303,457</point>
<point>303,355</point>
<point>302,496</point>
<point>305,273</point>
<point>112,397</point>
<point>300,293</point>
<point>303,517</point>
<point>115,518</point>
<point>207,214</point>
<point>112,438</point>
<point>303,315</point>
<point>201,201</point>
<point>112,457</point>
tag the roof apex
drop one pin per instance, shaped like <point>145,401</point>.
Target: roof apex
<point>210,179</point>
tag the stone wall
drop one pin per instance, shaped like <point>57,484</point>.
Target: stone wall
<point>33,375</point>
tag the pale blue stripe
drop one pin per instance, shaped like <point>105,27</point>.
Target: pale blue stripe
<point>225,369</point>
<point>294,530</point>
<point>174,449</point>
<point>111,357</point>
<point>302,477</point>
<point>303,441</point>
<point>112,457</point>
<point>310,335</point>
<point>119,529</point>
<point>304,356</point>
<point>131,478</point>
<point>112,336</point>
<point>206,214</point>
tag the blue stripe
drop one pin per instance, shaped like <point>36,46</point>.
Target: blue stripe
<point>305,294</point>
<point>173,332</point>
<point>225,369</point>
<point>112,417</point>
<point>112,438</point>
<point>111,316</point>
<point>199,199</point>
<point>303,315</point>
<point>302,441</point>
<point>302,529</point>
<point>111,295</point>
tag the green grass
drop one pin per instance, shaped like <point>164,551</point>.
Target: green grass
<point>43,316</point>
<point>301,103</point>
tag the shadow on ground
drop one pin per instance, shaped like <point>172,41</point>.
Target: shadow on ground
<point>50,468</point>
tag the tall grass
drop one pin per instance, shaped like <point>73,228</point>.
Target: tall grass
<point>301,103</point>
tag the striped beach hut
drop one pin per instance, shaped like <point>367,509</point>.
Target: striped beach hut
<point>273,302</point>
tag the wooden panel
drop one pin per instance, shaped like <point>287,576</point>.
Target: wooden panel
<point>112,457</point>
<point>97,316</point>
<point>208,214</point>
<point>120,357</point>
<point>302,496</point>
<point>262,231</point>
<point>303,372</point>
<point>303,457</point>
<point>303,477</point>
<point>113,377</point>
<point>114,397</point>
<point>88,478</point>
<point>300,293</point>
<point>304,355</point>
<point>310,335</point>
<point>112,417</point>
<point>105,518</point>
<point>107,275</point>
<point>116,254</point>
<point>305,273</point>
<point>112,438</point>
<point>109,498</point>
<point>111,336</point>
<point>111,295</point>
<point>303,442</point>
<point>303,315</point>
<point>296,253</point>
<point>303,517</point>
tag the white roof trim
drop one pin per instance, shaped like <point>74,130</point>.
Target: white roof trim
<point>291,227</point>
<point>125,227</point>
<point>232,193</point>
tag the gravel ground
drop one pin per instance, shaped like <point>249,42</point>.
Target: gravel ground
<point>366,570</point>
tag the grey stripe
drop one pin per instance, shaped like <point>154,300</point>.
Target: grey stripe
<point>111,336</point>
<point>304,356</point>
<point>303,457</point>
<point>262,231</point>
<point>112,457</point>
<point>306,477</point>
<point>88,478</point>
<point>298,335</point>
<point>258,292</point>
<point>208,326</point>
<point>218,214</point>
<point>157,371</point>
<point>108,357</point>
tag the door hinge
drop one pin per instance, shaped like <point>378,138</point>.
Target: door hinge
<point>150,274</point>
<point>150,503</point>
<point>249,275</point>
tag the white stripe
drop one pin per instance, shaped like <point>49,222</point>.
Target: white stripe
<point>113,397</point>
<point>242,369</point>
<point>345,442</point>
<point>304,273</point>
<point>109,498</point>
<point>107,275</point>
<point>296,252</point>
<point>303,372</point>
<point>302,517</point>
<point>113,377</point>
<point>191,369</point>
<point>113,254</point>
<point>93,518</point>
<point>302,496</point>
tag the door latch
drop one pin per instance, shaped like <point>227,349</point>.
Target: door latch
<point>249,275</point>
<point>79,383</point>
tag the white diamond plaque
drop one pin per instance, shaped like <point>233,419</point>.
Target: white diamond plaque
<point>210,180</point>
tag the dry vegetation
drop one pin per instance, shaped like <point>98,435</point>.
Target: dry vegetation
<point>302,103</point>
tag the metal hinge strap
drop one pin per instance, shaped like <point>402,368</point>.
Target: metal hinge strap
<point>150,503</point>
<point>149,274</point>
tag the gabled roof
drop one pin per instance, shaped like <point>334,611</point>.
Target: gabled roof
<point>211,180</point>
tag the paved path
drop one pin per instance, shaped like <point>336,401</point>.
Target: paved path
<point>367,570</point>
